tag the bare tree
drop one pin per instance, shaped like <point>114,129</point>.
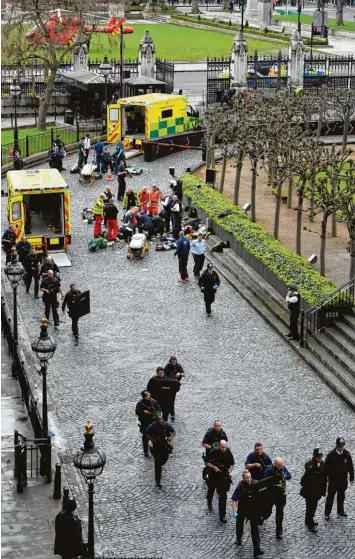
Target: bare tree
<point>339,12</point>
<point>347,210</point>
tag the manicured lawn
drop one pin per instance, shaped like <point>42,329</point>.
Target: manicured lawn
<point>348,25</point>
<point>177,43</point>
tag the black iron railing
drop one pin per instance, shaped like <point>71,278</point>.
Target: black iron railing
<point>331,308</point>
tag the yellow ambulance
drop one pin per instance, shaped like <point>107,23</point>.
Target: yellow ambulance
<point>39,208</point>
<point>149,117</point>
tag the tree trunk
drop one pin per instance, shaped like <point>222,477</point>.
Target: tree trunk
<point>299,220</point>
<point>212,157</point>
<point>339,20</point>
<point>323,238</point>
<point>352,251</point>
<point>334,215</point>
<point>319,126</point>
<point>45,101</point>
<point>269,174</point>
<point>311,209</point>
<point>345,129</point>
<point>253,190</point>
<point>289,193</point>
<point>278,207</point>
<point>194,7</point>
<point>238,173</point>
<point>223,175</point>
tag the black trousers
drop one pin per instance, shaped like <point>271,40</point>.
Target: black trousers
<point>48,305</point>
<point>279,502</point>
<point>311,507</point>
<point>29,276</point>
<point>121,189</point>
<point>209,299</point>
<point>183,266</point>
<point>294,324</point>
<point>74,325</point>
<point>199,262</point>
<point>87,151</point>
<point>330,499</point>
<point>217,481</point>
<point>254,528</point>
<point>167,217</point>
<point>161,456</point>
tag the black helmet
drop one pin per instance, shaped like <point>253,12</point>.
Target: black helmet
<point>340,441</point>
<point>70,505</point>
<point>317,452</point>
<point>210,266</point>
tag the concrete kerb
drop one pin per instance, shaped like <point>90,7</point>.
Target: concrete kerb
<point>70,476</point>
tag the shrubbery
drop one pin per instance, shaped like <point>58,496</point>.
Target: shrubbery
<point>285,264</point>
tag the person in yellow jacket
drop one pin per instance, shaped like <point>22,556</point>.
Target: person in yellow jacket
<point>98,211</point>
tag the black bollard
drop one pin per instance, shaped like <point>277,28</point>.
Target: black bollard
<point>65,496</point>
<point>57,488</point>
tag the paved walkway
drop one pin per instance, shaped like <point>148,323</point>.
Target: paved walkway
<point>27,519</point>
<point>238,370</point>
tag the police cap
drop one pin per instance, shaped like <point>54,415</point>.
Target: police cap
<point>340,441</point>
<point>317,452</point>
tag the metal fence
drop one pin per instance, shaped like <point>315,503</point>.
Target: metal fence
<point>165,73</point>
<point>334,72</point>
<point>267,71</point>
<point>218,78</point>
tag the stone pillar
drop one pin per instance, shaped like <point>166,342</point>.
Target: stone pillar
<point>240,57</point>
<point>296,65</point>
<point>147,56</point>
<point>79,57</point>
<point>251,12</point>
<point>264,13</point>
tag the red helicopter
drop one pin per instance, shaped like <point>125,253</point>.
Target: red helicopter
<point>63,28</point>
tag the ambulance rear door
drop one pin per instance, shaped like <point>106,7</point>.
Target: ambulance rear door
<point>16,214</point>
<point>114,123</point>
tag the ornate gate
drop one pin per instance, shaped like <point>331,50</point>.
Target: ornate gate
<point>218,78</point>
<point>164,71</point>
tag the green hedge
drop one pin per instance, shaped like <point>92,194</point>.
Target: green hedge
<point>285,264</point>
<point>247,30</point>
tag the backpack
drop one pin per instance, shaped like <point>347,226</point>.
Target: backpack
<point>96,244</point>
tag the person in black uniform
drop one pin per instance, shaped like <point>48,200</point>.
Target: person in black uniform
<point>18,161</point>
<point>164,390</point>
<point>209,282</point>
<point>8,241</point>
<point>32,265</point>
<point>47,265</point>
<point>338,467</point>
<point>244,507</point>
<point>293,301</point>
<point>210,440</point>
<point>280,475</point>
<point>68,532</point>
<point>173,369</point>
<point>314,484</point>
<point>23,249</point>
<point>221,463</point>
<point>70,300</point>
<point>161,434</point>
<point>146,409</point>
<point>257,461</point>
<point>50,286</point>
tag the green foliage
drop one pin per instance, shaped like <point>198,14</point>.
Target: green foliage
<point>285,264</point>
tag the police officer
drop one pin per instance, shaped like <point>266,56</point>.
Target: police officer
<point>161,434</point>
<point>164,390</point>
<point>70,301</point>
<point>293,301</point>
<point>68,532</point>
<point>8,241</point>
<point>209,282</point>
<point>23,249</point>
<point>221,464</point>
<point>146,409</point>
<point>338,466</point>
<point>245,507</point>
<point>257,461</point>
<point>32,264</point>
<point>50,286</point>
<point>280,475</point>
<point>173,369</point>
<point>210,440</point>
<point>314,484</point>
<point>47,265</point>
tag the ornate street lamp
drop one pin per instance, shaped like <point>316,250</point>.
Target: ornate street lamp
<point>105,69</point>
<point>90,461</point>
<point>15,91</point>
<point>14,272</point>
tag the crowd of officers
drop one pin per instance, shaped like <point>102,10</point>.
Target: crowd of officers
<point>263,483</point>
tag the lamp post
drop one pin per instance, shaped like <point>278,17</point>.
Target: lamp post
<point>44,347</point>
<point>90,461</point>
<point>242,10</point>
<point>14,272</point>
<point>15,91</point>
<point>105,69</point>
<point>299,10</point>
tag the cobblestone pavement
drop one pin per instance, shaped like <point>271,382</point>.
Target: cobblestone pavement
<point>238,370</point>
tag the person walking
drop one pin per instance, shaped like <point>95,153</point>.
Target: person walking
<point>98,211</point>
<point>314,484</point>
<point>182,252</point>
<point>245,507</point>
<point>293,301</point>
<point>257,462</point>
<point>81,153</point>
<point>99,150</point>
<point>209,282</point>
<point>198,249</point>
<point>47,265</point>
<point>50,286</point>
<point>220,464</point>
<point>110,213</point>
<point>338,468</point>
<point>87,145</point>
<point>68,532</point>
<point>173,369</point>
<point>164,390</point>
<point>176,215</point>
<point>18,161</point>
<point>8,241</point>
<point>146,409</point>
<point>70,301</point>
<point>23,249</point>
<point>161,434</point>
<point>280,475</point>
<point>32,266</point>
